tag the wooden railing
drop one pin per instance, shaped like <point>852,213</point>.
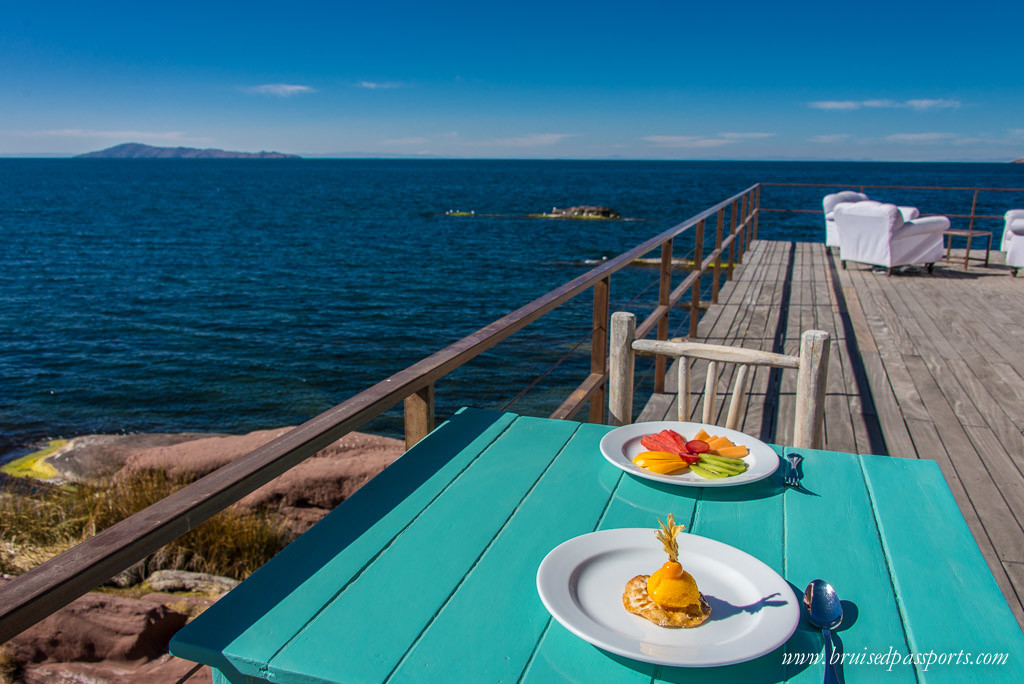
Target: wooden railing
<point>972,216</point>
<point>43,590</point>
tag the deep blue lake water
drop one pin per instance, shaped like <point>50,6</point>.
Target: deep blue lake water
<point>219,295</point>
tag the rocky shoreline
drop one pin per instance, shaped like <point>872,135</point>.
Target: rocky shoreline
<point>122,634</point>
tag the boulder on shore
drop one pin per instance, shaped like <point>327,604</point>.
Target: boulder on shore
<point>302,495</point>
<point>91,457</point>
<point>183,580</point>
<point>102,638</point>
<point>98,627</point>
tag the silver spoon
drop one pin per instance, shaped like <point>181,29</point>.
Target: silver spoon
<point>826,614</point>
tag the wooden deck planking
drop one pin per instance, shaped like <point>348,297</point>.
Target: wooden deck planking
<point>920,366</point>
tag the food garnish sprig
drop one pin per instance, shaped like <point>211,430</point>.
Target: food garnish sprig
<point>667,536</point>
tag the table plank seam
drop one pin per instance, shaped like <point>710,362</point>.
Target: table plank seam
<point>786,493</point>
<point>265,667</point>
<point>483,552</point>
<point>547,625</point>
<point>886,553</point>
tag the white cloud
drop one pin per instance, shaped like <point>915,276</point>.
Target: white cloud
<point>918,137</point>
<point>880,104</point>
<point>826,139</point>
<point>532,140</point>
<point>1017,132</point>
<point>174,136</point>
<point>278,89</point>
<point>405,141</point>
<point>703,141</point>
<point>834,104</point>
<point>919,105</point>
<point>688,141</point>
<point>378,85</point>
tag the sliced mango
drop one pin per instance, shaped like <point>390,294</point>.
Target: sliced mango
<point>667,468</point>
<point>657,455</point>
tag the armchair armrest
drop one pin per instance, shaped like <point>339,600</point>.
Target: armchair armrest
<point>1016,226</point>
<point>909,213</point>
<point>921,226</point>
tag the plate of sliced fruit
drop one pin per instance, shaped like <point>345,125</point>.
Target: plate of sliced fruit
<point>689,454</point>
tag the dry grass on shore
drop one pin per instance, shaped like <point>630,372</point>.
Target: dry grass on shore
<point>38,524</point>
<point>8,668</point>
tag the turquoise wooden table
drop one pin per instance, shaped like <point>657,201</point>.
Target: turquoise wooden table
<point>428,572</point>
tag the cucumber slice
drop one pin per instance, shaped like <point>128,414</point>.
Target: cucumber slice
<point>707,474</point>
<point>716,471</point>
<point>735,462</point>
<point>717,467</point>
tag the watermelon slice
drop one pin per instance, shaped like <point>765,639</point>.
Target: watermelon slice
<point>659,443</point>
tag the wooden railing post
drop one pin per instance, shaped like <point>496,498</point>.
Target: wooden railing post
<point>810,390</point>
<point>732,245</point>
<point>757,209</point>
<point>620,369</point>
<point>664,292</point>
<point>748,233</point>
<point>599,345</point>
<point>741,238</point>
<point>974,204</point>
<point>419,415</point>
<point>698,259</point>
<point>718,259</point>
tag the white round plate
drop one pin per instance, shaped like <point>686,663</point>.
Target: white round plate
<point>621,446</point>
<point>753,610</point>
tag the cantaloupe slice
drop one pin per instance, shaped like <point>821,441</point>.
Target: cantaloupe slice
<point>717,443</point>
<point>702,435</point>
<point>733,451</point>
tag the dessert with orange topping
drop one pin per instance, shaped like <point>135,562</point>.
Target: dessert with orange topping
<point>669,597</point>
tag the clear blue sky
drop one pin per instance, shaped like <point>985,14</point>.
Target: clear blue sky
<point>639,79</point>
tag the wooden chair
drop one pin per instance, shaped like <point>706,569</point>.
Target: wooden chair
<point>811,366</point>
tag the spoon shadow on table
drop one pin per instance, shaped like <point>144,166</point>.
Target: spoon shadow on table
<point>722,609</point>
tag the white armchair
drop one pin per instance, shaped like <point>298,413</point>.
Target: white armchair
<point>878,234</point>
<point>832,201</point>
<point>829,204</point>
<point>1013,239</point>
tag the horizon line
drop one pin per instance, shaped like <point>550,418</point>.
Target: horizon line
<point>413,157</point>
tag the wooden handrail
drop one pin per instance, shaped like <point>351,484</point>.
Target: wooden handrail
<point>41,591</point>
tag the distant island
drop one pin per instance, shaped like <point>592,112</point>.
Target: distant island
<point>139,151</point>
